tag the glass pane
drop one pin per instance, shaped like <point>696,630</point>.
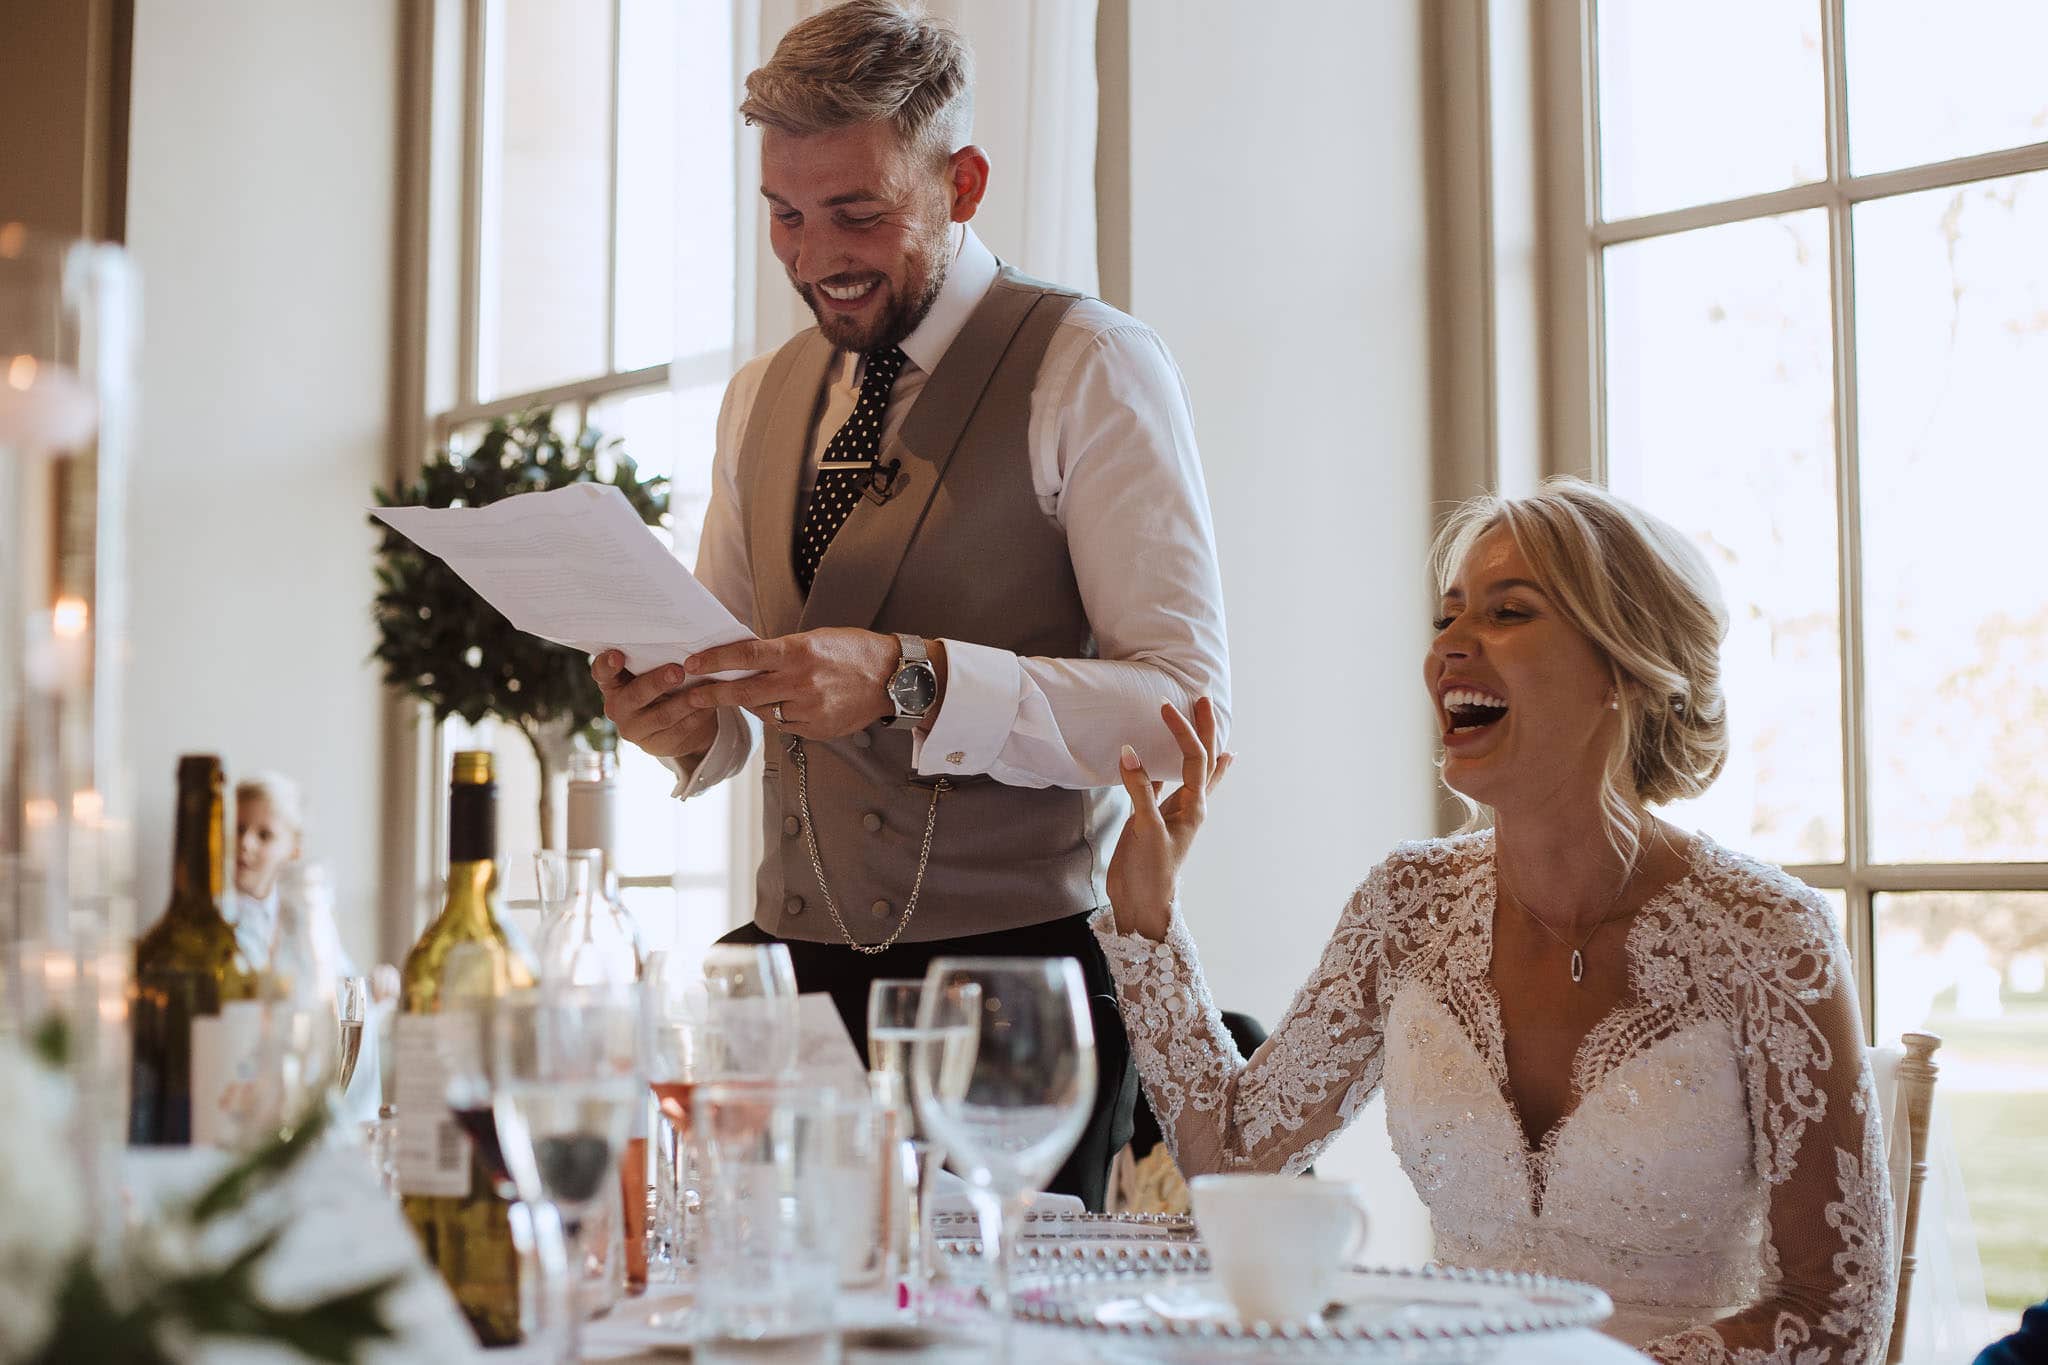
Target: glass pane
<point>1973,968</point>
<point>547,150</point>
<point>1701,103</point>
<point>1952,348</point>
<point>1720,419</point>
<point>707,219</point>
<point>649,122</point>
<point>1930,82</point>
<point>645,424</point>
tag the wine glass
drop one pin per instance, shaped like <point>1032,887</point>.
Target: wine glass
<point>351,1009</point>
<point>1005,1080</point>
<point>566,1087</point>
<point>732,1016</point>
<point>893,1035</point>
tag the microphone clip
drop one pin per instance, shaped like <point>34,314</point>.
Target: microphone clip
<point>885,482</point>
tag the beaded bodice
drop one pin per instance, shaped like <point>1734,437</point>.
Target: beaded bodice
<point>1720,1172</point>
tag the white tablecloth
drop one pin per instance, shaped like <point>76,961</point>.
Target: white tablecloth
<point>344,1232</point>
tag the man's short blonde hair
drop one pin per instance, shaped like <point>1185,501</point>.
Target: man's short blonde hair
<point>1646,598</point>
<point>867,61</point>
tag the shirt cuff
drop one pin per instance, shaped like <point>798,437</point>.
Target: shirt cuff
<point>727,755</point>
<point>984,689</point>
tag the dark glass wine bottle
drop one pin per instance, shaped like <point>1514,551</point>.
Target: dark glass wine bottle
<point>445,1187</point>
<point>186,967</point>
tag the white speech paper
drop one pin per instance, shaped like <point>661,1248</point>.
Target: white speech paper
<point>825,1053</point>
<point>577,566</point>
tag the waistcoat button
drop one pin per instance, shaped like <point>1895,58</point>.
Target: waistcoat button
<point>792,905</point>
<point>871,822</point>
<point>880,909</point>
<point>792,825</point>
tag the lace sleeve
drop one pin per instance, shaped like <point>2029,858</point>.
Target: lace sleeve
<point>1275,1112</point>
<point>1814,1113</point>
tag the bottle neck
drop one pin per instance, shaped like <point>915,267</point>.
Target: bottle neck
<point>472,882</point>
<point>197,857</point>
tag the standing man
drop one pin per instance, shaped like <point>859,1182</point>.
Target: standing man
<point>966,516</point>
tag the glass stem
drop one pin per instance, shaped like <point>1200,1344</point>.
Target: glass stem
<point>1002,1224</point>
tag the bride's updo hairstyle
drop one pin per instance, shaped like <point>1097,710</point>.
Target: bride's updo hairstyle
<point>1645,597</point>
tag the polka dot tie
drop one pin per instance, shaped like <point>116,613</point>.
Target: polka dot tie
<point>849,464</point>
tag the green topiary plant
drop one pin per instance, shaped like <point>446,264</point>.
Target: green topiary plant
<point>440,642</point>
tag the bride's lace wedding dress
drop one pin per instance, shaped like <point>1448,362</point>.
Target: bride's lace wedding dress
<point>1721,1174</point>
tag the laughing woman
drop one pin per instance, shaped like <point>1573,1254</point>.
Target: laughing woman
<point>1611,1050</point>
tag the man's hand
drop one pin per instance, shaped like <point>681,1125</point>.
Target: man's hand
<point>1144,872</point>
<point>828,682</point>
<point>652,711</point>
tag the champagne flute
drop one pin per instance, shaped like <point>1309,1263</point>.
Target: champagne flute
<point>566,1087</point>
<point>1012,1114</point>
<point>893,1035</point>
<point>351,1008</point>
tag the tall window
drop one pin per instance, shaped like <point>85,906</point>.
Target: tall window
<point>1817,273</point>
<point>593,250</point>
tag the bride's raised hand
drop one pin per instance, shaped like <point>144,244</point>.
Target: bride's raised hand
<point>1144,873</point>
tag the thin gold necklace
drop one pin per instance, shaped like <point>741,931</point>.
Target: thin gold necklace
<point>1578,949</point>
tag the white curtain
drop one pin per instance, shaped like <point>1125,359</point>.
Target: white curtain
<point>1034,115</point>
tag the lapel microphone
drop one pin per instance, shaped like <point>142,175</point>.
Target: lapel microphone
<point>885,481</point>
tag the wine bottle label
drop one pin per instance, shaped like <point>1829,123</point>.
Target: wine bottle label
<point>433,1155</point>
<point>226,1051</point>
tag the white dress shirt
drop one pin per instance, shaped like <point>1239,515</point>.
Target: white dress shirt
<point>1113,462</point>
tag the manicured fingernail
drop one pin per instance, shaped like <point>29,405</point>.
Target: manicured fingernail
<point>690,664</point>
<point>1129,758</point>
<point>673,676</point>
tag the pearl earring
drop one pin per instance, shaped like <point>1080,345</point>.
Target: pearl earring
<point>1613,700</point>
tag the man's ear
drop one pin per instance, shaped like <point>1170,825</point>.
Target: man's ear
<point>967,177</point>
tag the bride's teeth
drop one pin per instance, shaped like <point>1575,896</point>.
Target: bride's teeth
<point>1465,696</point>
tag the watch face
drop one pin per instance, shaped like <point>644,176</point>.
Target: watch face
<point>913,689</point>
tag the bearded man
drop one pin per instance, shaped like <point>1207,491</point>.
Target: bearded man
<point>966,515</point>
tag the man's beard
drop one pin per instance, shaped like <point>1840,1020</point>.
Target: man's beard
<point>904,312</point>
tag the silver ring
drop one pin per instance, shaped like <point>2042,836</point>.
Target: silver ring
<point>776,711</point>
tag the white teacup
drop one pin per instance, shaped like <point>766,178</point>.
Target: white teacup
<point>1278,1242</point>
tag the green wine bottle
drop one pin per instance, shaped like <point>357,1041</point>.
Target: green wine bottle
<point>446,1190</point>
<point>186,968</point>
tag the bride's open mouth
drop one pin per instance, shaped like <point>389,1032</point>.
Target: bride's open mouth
<point>1468,710</point>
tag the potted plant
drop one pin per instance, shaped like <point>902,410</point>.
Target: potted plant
<point>440,642</point>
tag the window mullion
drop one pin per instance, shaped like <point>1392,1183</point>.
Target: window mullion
<point>611,206</point>
<point>1849,521</point>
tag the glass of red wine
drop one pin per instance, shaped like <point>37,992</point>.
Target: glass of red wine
<point>468,995</point>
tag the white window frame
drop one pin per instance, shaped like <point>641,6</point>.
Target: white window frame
<point>443,268</point>
<point>1559,46</point>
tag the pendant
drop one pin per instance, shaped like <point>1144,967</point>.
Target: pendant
<point>1578,966</point>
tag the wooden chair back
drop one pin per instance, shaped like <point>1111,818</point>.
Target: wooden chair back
<point>1913,1102</point>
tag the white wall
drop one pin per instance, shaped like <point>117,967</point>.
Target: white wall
<point>260,210</point>
<point>1278,243</point>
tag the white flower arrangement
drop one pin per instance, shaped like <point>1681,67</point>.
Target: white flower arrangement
<point>187,1274</point>
<point>42,1214</point>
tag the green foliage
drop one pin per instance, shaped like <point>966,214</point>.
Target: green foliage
<point>153,1323</point>
<point>438,640</point>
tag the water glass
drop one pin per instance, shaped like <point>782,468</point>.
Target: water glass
<point>1005,1081</point>
<point>863,1141</point>
<point>770,1263</point>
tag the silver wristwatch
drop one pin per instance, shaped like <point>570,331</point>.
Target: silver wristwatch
<point>914,686</point>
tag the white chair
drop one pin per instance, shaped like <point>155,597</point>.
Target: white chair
<point>1905,1097</point>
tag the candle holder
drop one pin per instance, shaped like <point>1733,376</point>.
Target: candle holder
<point>67,349</point>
